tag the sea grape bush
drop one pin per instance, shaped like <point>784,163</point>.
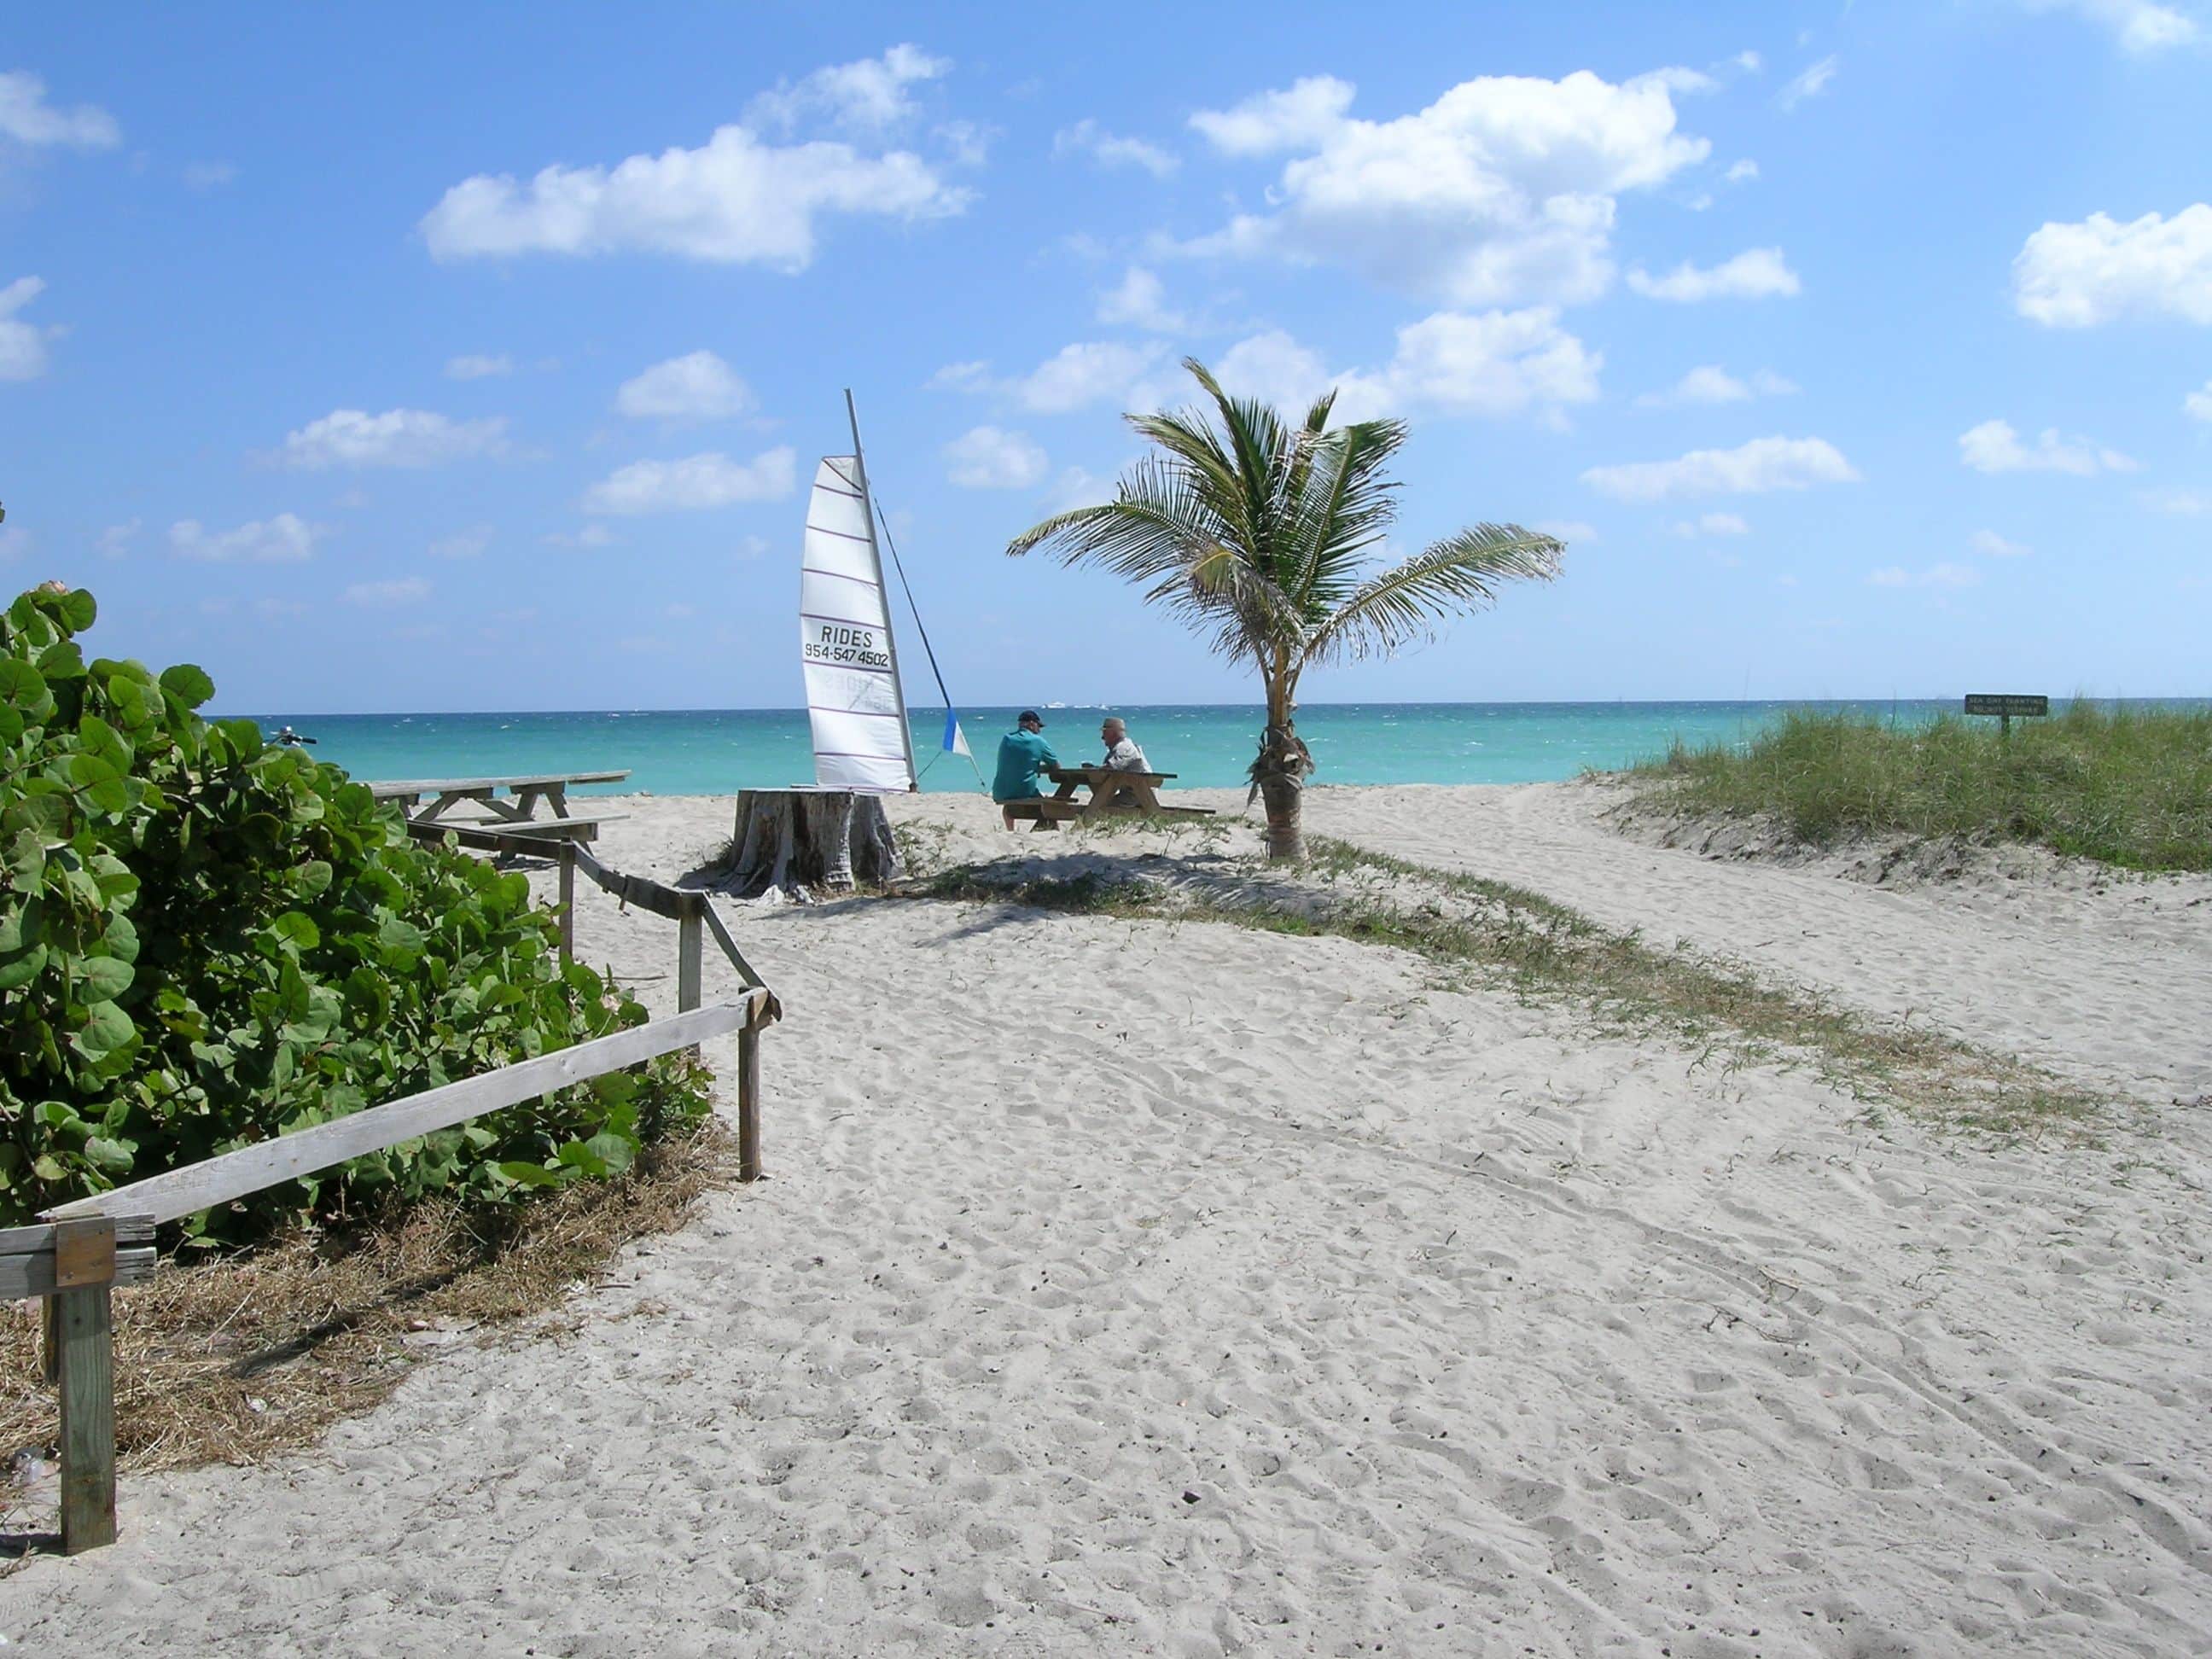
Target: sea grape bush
<point>205,941</point>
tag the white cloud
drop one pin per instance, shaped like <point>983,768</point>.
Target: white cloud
<point>1743,172</point>
<point>699,386</point>
<point>1748,61</point>
<point>1502,190</point>
<point>1810,83</point>
<point>1087,137</point>
<point>734,200</point>
<point>1994,446</point>
<point>209,175</point>
<point>408,590</point>
<point>28,119</point>
<point>463,543</point>
<point>869,95</point>
<point>1757,273</point>
<point>1142,302</point>
<point>2199,403</point>
<point>1762,465</point>
<point>1713,524</point>
<point>1936,576</point>
<point>591,535</point>
<point>1303,116</point>
<point>968,142</point>
<point>285,539</point>
<point>2140,26</point>
<point>398,437</point>
<point>2186,503</point>
<point>15,543</point>
<point>1497,362</point>
<point>1077,487</point>
<point>987,457</point>
<point>114,542</point>
<point>1074,377</point>
<point>1569,530</point>
<point>22,345</point>
<point>476,367</point>
<point>697,481</point>
<point>1990,545</point>
<point>1709,383</point>
<point>2076,276</point>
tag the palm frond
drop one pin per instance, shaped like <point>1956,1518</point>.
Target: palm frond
<point>1457,575</point>
<point>1345,507</point>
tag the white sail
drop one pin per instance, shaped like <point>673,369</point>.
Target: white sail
<point>853,699</point>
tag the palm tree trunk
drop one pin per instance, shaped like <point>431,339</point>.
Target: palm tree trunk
<point>1279,774</point>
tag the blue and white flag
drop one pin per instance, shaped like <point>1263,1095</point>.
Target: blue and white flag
<point>956,740</point>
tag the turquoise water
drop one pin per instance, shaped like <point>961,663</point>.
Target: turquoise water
<point>715,752</point>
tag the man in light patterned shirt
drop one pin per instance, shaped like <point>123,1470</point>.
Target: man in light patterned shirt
<point>1123,754</point>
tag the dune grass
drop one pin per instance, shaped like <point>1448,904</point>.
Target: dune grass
<point>1496,933</point>
<point>237,1358</point>
<point>2126,786</point>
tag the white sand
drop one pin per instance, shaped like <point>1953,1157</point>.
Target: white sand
<point>1151,1288</point>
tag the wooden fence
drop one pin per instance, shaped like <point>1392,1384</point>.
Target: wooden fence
<point>81,1251</point>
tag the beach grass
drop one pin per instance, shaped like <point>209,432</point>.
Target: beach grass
<point>234,1359</point>
<point>1495,932</point>
<point>2124,785</point>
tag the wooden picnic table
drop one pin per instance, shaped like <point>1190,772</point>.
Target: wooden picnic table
<point>523,794</point>
<point>1112,791</point>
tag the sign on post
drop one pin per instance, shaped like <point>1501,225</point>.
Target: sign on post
<point>2004,705</point>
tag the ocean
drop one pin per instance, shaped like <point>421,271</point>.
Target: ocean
<point>717,751</point>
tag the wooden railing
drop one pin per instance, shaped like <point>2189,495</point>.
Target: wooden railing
<point>80,1251</point>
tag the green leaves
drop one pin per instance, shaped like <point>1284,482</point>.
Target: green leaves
<point>188,685</point>
<point>205,941</point>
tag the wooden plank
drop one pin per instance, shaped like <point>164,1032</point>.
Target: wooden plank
<point>85,1330</point>
<point>28,1275</point>
<point>659,898</point>
<point>688,935</point>
<point>40,1235</point>
<point>720,930</point>
<point>1045,807</point>
<point>84,1253</point>
<point>748,1104</point>
<point>507,838</point>
<point>536,829</point>
<point>247,1169</point>
<point>439,786</point>
<point>568,903</point>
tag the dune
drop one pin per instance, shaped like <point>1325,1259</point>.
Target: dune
<point>1167,1287</point>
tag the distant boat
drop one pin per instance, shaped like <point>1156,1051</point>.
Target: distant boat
<point>855,701</point>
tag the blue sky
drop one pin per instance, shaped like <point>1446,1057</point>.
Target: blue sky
<point>412,358</point>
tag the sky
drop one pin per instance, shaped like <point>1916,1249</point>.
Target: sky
<point>407,358</point>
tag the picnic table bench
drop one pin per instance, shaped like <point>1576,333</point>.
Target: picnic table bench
<point>520,806</point>
<point>1112,792</point>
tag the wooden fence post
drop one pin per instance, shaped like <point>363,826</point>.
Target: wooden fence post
<point>749,1093</point>
<point>691,934</point>
<point>85,1330</point>
<point>568,901</point>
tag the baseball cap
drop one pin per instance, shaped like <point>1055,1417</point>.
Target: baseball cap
<point>1028,715</point>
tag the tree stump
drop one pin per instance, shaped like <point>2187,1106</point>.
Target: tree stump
<point>801,840</point>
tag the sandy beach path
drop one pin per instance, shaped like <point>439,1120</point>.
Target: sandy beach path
<point>2106,982</point>
<point>1154,1289</point>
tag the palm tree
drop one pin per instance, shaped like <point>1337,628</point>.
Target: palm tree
<point>1260,535</point>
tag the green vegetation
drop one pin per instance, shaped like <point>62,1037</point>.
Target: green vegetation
<point>2128,786</point>
<point>1501,933</point>
<point>205,941</point>
<point>1260,534</point>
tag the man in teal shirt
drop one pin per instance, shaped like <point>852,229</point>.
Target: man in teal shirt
<point>1023,756</point>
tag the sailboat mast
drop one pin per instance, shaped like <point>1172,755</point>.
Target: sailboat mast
<point>875,558</point>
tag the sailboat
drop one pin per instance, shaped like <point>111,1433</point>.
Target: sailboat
<point>855,701</point>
